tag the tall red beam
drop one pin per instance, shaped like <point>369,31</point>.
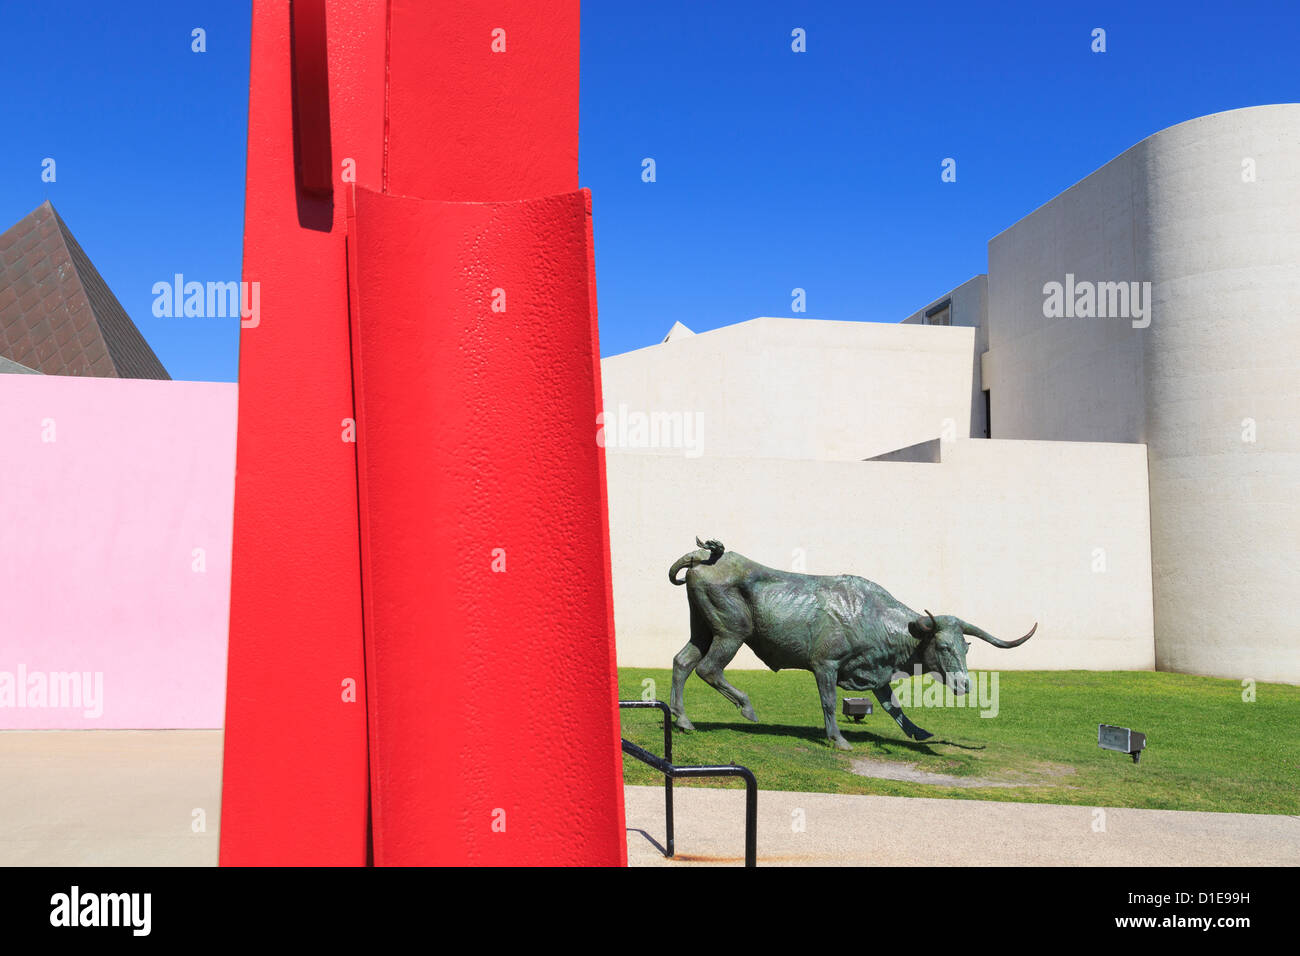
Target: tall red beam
<point>479,529</point>
<point>493,735</point>
<point>294,785</point>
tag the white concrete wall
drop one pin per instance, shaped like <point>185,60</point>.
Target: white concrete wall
<point>802,388</point>
<point>1000,533</point>
<point>1223,346</point>
<point>1067,379</point>
<point>969,310</point>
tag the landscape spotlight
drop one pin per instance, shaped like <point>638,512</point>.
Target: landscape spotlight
<point>1121,739</point>
<point>857,708</point>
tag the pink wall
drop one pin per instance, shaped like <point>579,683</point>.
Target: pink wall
<point>98,529</point>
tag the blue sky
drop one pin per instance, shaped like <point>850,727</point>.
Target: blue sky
<point>775,170</point>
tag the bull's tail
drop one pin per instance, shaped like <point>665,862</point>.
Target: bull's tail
<point>708,553</point>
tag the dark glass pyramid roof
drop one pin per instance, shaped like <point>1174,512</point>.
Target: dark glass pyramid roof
<point>57,314</point>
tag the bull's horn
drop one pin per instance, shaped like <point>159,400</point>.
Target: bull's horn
<point>974,631</point>
<point>699,543</point>
<point>928,628</point>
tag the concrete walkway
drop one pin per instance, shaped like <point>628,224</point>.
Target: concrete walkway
<point>109,797</point>
<point>822,829</point>
<point>128,798</point>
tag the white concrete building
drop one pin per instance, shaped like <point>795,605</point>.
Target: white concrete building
<point>1102,434</point>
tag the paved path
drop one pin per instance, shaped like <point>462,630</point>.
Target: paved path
<point>841,830</point>
<point>127,798</point>
<point>109,797</point>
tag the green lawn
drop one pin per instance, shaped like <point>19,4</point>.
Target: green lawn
<point>1207,749</point>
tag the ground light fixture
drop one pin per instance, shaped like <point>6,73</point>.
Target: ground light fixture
<point>857,708</point>
<point>1121,740</point>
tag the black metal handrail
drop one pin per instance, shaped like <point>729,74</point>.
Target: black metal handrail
<point>671,771</point>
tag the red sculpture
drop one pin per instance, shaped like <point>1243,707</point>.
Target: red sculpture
<point>426,272</point>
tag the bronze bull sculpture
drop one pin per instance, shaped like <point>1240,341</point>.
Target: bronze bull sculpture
<point>847,630</point>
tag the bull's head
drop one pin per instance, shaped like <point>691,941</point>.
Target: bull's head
<point>942,651</point>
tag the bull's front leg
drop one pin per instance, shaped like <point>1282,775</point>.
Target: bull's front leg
<point>885,694</point>
<point>827,675</point>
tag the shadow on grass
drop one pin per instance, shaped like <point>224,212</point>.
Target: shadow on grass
<point>817,735</point>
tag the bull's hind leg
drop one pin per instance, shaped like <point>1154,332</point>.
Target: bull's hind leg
<point>885,694</point>
<point>710,670</point>
<point>685,661</point>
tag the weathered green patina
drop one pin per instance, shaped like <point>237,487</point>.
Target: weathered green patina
<point>847,630</point>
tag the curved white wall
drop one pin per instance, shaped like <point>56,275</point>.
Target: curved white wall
<point>1223,258</point>
<point>1223,347</point>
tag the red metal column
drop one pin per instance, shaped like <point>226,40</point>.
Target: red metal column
<point>494,732</point>
<point>294,787</point>
<point>483,99</point>
<point>489,625</point>
<point>493,723</point>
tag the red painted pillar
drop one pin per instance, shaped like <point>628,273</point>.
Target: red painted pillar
<point>294,786</point>
<point>483,545</point>
<point>492,705</point>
